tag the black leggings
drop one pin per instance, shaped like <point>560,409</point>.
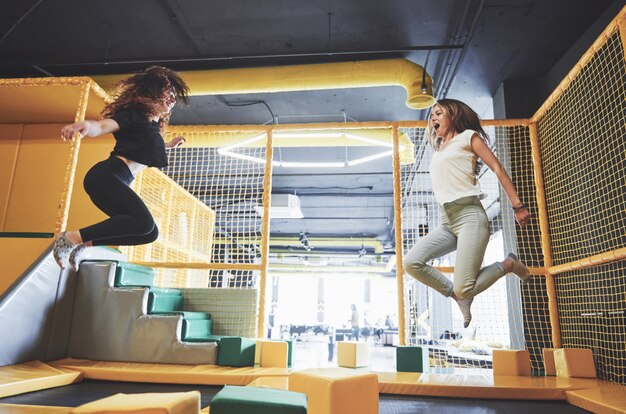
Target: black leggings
<point>130,222</point>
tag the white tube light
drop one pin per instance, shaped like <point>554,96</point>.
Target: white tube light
<point>370,158</point>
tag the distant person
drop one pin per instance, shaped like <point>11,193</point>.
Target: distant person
<point>331,343</point>
<point>460,147</point>
<point>354,322</point>
<point>389,322</point>
<point>137,117</point>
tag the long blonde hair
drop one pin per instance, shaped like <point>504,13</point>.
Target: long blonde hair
<point>462,117</point>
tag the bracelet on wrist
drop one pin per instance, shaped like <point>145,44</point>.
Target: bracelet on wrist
<point>521,207</point>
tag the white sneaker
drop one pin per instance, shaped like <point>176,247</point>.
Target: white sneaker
<point>76,256</point>
<point>62,249</point>
<point>519,268</point>
<point>465,307</point>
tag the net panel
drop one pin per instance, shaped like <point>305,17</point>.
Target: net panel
<point>232,187</point>
<point>583,153</point>
<point>206,206</point>
<point>185,225</point>
<point>497,320</point>
<point>537,326</point>
<point>582,149</point>
<point>592,311</point>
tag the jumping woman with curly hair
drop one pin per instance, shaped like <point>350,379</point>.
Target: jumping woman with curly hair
<point>137,116</point>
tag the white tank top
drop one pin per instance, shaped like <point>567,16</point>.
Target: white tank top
<point>452,170</point>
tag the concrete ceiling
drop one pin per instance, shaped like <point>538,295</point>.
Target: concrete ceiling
<point>470,48</point>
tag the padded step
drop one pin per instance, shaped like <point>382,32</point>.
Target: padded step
<point>128,274</point>
<point>207,338</point>
<point>186,314</point>
<point>164,300</point>
<point>194,330</point>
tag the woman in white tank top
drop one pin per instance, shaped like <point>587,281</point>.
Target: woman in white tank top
<point>460,146</point>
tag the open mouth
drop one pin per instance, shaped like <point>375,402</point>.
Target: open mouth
<point>436,125</point>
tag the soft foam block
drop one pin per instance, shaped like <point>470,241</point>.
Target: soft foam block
<point>152,403</point>
<point>274,354</point>
<point>548,361</point>
<point>259,347</point>
<point>352,354</point>
<point>253,400</point>
<point>574,362</point>
<point>412,359</point>
<point>337,390</point>
<point>235,351</point>
<point>514,362</point>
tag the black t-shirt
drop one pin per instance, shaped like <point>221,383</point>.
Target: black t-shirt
<point>139,139</point>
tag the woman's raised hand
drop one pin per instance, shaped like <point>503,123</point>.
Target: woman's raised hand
<point>68,131</point>
<point>176,142</point>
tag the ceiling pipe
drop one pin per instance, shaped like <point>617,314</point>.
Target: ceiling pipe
<point>357,74</point>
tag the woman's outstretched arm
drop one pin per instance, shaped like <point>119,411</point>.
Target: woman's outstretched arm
<point>480,148</point>
<point>89,128</point>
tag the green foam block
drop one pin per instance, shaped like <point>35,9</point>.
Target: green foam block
<point>412,359</point>
<point>235,351</point>
<point>254,400</point>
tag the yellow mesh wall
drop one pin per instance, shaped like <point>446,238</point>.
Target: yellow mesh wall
<point>583,149</point>
<point>234,311</point>
<point>592,304</point>
<point>435,320</point>
<point>232,188</point>
<point>185,230</point>
<point>536,325</point>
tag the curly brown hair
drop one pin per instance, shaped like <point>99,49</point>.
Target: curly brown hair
<point>145,90</point>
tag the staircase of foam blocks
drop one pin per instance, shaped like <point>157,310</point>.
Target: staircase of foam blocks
<point>120,316</point>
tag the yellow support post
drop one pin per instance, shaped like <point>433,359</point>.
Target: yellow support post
<point>397,206</point>
<point>70,171</point>
<point>265,230</point>
<point>545,235</point>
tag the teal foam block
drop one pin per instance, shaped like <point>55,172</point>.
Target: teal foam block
<point>412,359</point>
<point>128,274</point>
<point>254,400</point>
<point>235,351</point>
<point>164,300</point>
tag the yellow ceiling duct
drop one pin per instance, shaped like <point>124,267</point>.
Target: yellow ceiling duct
<point>359,74</point>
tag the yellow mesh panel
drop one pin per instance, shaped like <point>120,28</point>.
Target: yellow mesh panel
<point>185,230</point>
<point>582,149</point>
<point>232,187</point>
<point>592,310</point>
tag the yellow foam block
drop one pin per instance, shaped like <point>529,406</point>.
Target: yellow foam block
<point>274,354</point>
<point>257,350</point>
<point>352,354</point>
<point>574,362</point>
<point>604,400</point>
<point>337,390</point>
<point>150,403</point>
<point>34,376</point>
<point>277,383</point>
<point>167,373</point>
<point>548,361</point>
<point>514,362</point>
<point>32,409</point>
